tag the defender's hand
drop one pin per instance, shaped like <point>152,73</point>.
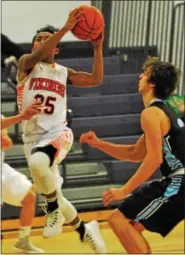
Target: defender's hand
<point>113,194</point>
<point>89,138</point>
<point>6,142</point>
<point>30,111</point>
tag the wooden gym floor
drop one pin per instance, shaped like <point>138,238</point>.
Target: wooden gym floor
<point>68,241</point>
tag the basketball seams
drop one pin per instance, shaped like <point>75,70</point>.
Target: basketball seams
<point>94,21</point>
<point>92,26</point>
<point>82,28</point>
<point>87,22</point>
<point>80,34</point>
<point>97,28</point>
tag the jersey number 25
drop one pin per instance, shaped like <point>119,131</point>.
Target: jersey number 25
<point>47,102</point>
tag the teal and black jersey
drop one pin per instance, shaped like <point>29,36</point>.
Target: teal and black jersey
<point>159,199</point>
<point>173,142</point>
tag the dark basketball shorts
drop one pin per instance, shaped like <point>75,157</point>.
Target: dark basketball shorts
<point>48,150</point>
<point>157,205</point>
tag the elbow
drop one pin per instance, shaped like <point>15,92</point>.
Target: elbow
<point>157,161</point>
<point>158,158</point>
<point>131,155</point>
<point>138,156</point>
<point>97,81</point>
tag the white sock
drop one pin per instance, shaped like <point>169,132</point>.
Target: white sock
<point>24,231</point>
<point>68,210</point>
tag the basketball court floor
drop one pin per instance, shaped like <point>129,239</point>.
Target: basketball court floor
<point>68,241</point>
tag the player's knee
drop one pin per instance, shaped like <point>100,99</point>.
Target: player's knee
<point>116,217</point>
<point>30,199</point>
<point>138,226</point>
<point>112,218</point>
<point>39,163</point>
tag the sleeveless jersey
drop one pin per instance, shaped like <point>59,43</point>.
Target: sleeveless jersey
<point>46,84</point>
<point>173,141</point>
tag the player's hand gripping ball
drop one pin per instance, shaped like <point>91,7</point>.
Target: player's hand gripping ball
<point>91,25</point>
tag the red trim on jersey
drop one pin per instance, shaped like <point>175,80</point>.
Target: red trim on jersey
<point>20,90</point>
<point>63,138</point>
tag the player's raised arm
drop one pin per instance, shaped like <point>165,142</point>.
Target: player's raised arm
<point>83,79</point>
<point>46,43</point>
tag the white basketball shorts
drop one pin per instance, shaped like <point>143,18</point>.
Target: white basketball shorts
<point>15,186</point>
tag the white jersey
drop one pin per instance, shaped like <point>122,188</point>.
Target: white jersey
<point>46,83</point>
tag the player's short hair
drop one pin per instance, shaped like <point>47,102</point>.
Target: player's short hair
<point>164,75</point>
<point>47,28</point>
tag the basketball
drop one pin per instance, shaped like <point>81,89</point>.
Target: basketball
<point>92,26</point>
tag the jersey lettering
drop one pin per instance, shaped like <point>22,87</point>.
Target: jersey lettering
<point>47,84</point>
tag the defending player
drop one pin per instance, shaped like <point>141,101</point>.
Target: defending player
<point>153,205</point>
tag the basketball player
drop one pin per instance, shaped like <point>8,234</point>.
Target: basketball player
<point>16,188</point>
<point>157,206</point>
<point>47,139</point>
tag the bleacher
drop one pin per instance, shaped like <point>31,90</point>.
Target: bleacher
<point>112,110</point>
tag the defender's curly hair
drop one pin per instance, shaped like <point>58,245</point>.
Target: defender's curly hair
<point>164,75</point>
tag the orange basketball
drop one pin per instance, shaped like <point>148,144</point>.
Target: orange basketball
<point>92,26</point>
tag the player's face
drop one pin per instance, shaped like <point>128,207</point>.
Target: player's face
<point>144,84</point>
<point>40,39</point>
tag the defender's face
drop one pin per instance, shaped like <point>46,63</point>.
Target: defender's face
<point>144,84</point>
<point>40,39</point>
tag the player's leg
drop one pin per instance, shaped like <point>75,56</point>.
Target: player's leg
<point>26,217</point>
<point>131,239</point>
<point>17,191</point>
<point>87,231</point>
<point>40,163</point>
<point>122,220</point>
<point>27,213</point>
<point>156,210</point>
<point>39,160</point>
<point>55,218</point>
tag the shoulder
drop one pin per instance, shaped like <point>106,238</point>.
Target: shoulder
<point>60,67</point>
<point>22,59</point>
<point>151,112</point>
<point>21,74</point>
<point>151,117</point>
<point>70,72</point>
